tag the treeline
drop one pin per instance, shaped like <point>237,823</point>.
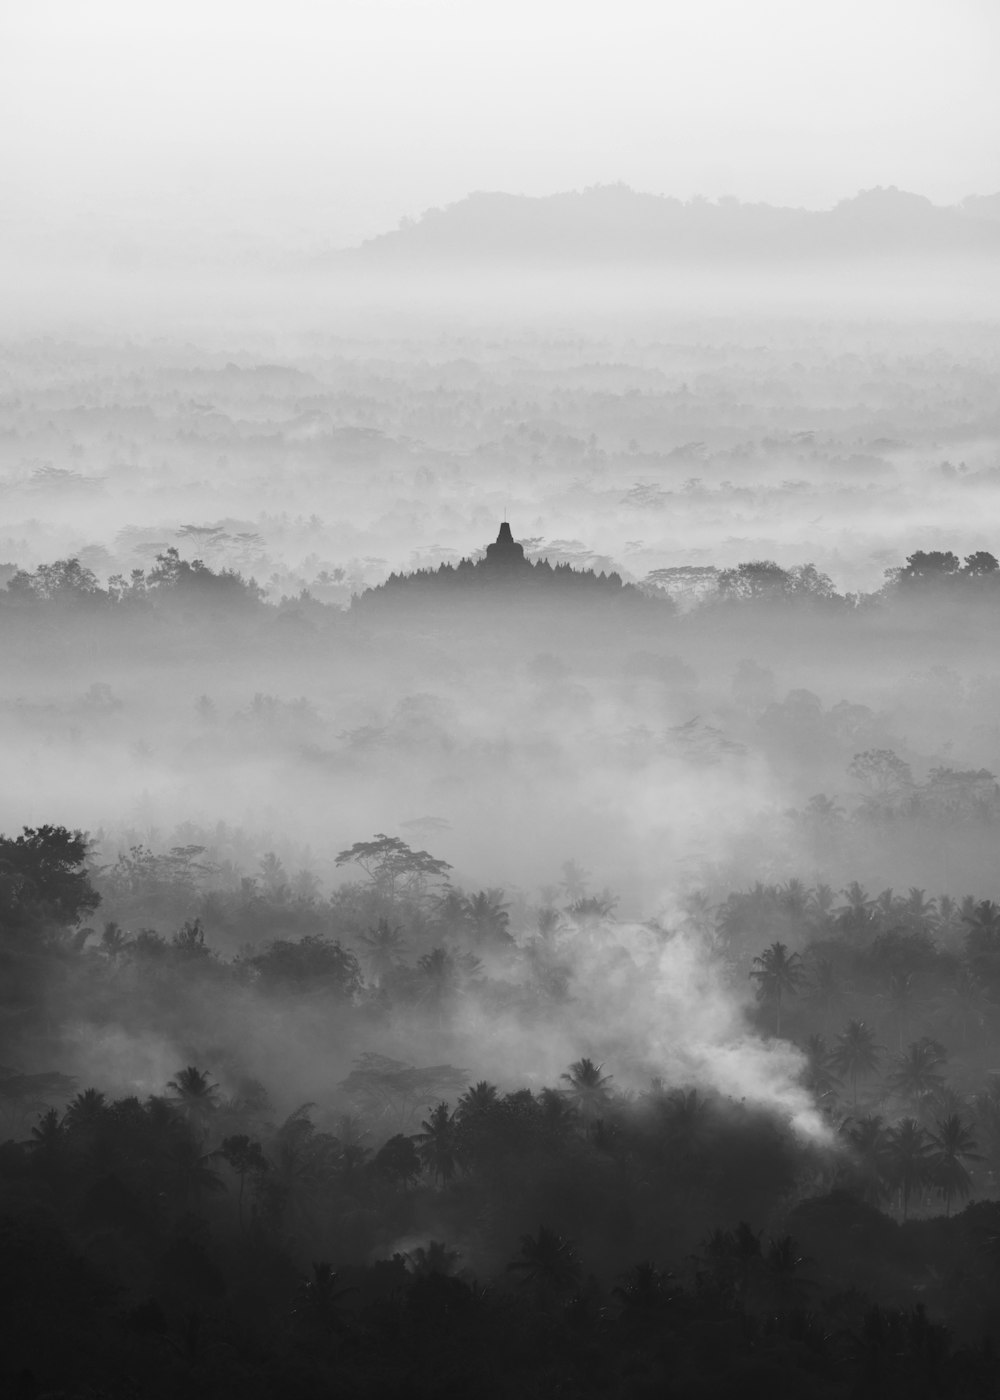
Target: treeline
<point>937,576</point>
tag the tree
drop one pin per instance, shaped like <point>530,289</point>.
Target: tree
<point>478,1098</point>
<point>756,581</point>
<point>193,1095</point>
<point>928,567</point>
<point>44,881</point>
<point>855,1054</point>
<point>886,778</point>
<point>549,1262</point>
<point>588,1089</point>
<point>437,1144</point>
<point>390,864</point>
<point>434,1258</point>
<point>916,1072</point>
<point>312,962</point>
<point>319,1299</point>
<point>980,564</point>
<point>383,949</point>
<point>777,973</point>
<point>867,1137</point>
<point>488,918</point>
<point>245,1157</point>
<point>398,1160</point>
<point>953,1145</point>
<point>909,1159</point>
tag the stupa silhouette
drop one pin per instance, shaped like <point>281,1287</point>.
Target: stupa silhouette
<point>506,553</point>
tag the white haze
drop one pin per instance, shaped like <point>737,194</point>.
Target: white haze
<point>316,431</point>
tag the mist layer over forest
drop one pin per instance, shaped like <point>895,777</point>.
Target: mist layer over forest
<point>402,943</point>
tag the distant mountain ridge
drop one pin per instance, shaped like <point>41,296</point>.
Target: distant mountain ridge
<point>616,224</point>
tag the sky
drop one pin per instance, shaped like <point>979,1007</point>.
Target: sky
<point>288,123</point>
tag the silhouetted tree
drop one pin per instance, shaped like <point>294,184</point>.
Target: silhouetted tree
<point>777,973</point>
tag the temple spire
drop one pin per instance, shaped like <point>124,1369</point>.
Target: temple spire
<point>506,551</point>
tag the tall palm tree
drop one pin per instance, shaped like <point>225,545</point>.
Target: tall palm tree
<point>953,1145</point>
<point>919,912</point>
<point>982,923</point>
<point>916,1072</point>
<point>478,1098</point>
<point>488,917</point>
<point>909,1159</point>
<point>588,1089</point>
<point>437,1143</point>
<point>383,947</point>
<point>193,1095</point>
<point>777,973</point>
<point>85,1111</point>
<point>867,1137</point>
<point>855,1054</point>
<point>244,1156</point>
<point>858,905</point>
<point>948,915</point>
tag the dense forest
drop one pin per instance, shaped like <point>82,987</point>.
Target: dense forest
<point>693,1200</point>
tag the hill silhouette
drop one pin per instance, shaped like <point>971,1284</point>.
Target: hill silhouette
<point>613,224</point>
<point>503,572</point>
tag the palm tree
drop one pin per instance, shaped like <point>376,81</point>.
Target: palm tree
<point>919,912</point>
<point>954,1145</point>
<point>114,941</point>
<point>982,923</point>
<point>48,1140</point>
<point>855,1054</point>
<point>885,906</point>
<point>558,1115</point>
<point>948,915</point>
<point>548,1261</point>
<point>439,974</point>
<point>488,916</point>
<point>478,1098</point>
<point>821,900</point>
<point>437,1143</point>
<point>857,908</point>
<point>777,972</point>
<point>588,1088</point>
<point>915,1073</point>
<point>193,1095</point>
<point>84,1112</point>
<point>867,1137</point>
<point>909,1159</point>
<point>244,1156</point>
<point>383,949</point>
